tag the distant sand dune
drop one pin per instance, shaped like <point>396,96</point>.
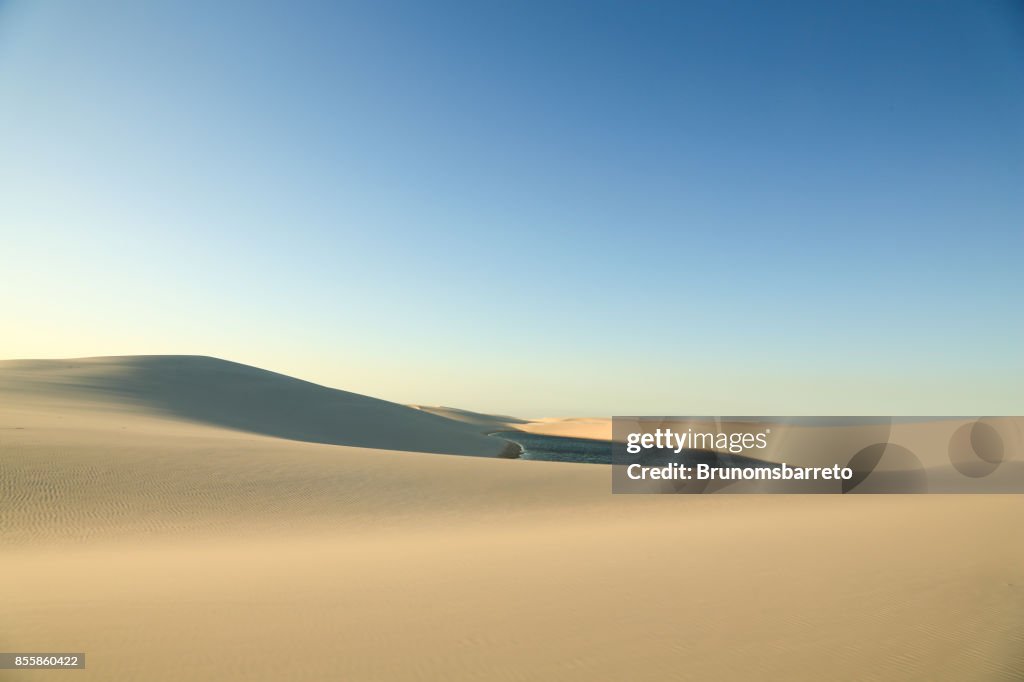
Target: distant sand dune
<point>485,422</point>
<point>573,427</point>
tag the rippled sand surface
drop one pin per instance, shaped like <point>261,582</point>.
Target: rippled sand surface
<point>169,544</point>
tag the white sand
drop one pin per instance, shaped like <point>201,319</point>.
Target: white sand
<point>169,544</point>
<point>572,427</point>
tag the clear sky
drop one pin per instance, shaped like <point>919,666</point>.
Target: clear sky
<point>550,208</point>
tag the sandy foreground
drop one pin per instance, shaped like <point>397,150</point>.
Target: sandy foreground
<point>148,520</point>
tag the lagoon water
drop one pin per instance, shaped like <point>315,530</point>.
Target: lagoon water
<point>559,449</point>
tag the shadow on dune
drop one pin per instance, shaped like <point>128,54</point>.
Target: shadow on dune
<point>227,394</point>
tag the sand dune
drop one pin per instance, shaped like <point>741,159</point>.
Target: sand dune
<point>591,428</point>
<point>216,392</point>
<point>599,428</point>
<point>175,541</point>
<point>484,422</point>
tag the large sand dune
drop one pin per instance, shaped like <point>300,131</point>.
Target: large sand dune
<point>216,392</point>
<point>171,535</point>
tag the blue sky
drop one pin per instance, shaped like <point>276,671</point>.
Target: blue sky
<point>546,208</point>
